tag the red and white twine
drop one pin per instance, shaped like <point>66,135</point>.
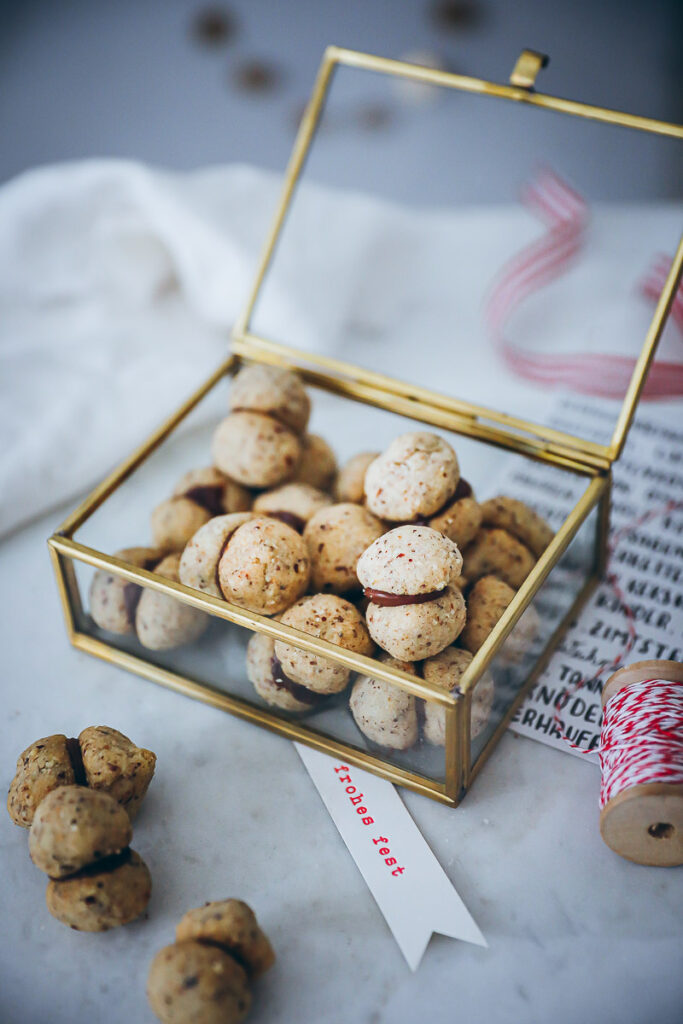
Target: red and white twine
<point>642,737</point>
<point>565,214</point>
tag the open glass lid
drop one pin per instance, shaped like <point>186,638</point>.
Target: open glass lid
<point>507,256</point>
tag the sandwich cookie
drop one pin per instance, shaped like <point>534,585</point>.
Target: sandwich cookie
<point>293,504</point>
<point>413,479</point>
<point>330,618</point>
<point>271,683</point>
<point>112,599</point>
<point>258,444</point>
<point>317,464</point>
<point>350,482</point>
<point>445,670</point>
<point>198,496</point>
<point>253,561</point>
<point>460,518</point>
<point>384,713</point>
<point>336,537</point>
<point>409,577</point>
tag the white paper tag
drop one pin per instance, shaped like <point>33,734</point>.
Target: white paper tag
<point>409,885</point>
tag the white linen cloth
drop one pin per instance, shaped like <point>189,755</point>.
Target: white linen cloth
<point>119,284</point>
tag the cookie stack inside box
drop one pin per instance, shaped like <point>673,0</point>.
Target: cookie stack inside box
<point>390,556</point>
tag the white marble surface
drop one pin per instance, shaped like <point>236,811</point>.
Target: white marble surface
<point>575,933</point>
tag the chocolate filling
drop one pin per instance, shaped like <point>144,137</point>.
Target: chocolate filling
<point>104,864</point>
<point>386,600</point>
<point>222,551</point>
<point>463,490</point>
<point>132,592</point>
<point>270,413</point>
<point>283,682</point>
<point>131,595</point>
<point>225,948</point>
<point>208,496</point>
<point>73,749</point>
<point>290,519</point>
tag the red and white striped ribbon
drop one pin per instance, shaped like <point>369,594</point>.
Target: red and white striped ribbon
<point>652,284</point>
<point>565,214</point>
<point>642,737</point>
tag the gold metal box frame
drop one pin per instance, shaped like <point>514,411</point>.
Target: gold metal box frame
<point>593,461</point>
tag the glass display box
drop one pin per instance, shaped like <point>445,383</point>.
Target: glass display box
<point>366,407</point>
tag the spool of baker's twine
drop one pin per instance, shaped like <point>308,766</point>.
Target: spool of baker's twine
<point>641,743</point>
<point>641,759</point>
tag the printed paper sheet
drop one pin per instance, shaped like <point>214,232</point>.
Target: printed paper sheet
<point>647,563</point>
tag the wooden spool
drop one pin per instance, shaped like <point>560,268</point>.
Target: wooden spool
<point>645,823</point>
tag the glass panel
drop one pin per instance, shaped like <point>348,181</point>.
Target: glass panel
<point>216,656</point>
<point>515,662</point>
<point>427,276</point>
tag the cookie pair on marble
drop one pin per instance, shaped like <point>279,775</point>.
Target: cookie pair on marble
<point>100,758</point>
<point>206,974</point>
<point>77,798</point>
<point>80,838</point>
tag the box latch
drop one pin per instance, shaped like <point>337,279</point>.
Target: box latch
<point>526,70</point>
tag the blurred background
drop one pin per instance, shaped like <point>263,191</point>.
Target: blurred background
<point>185,83</point>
